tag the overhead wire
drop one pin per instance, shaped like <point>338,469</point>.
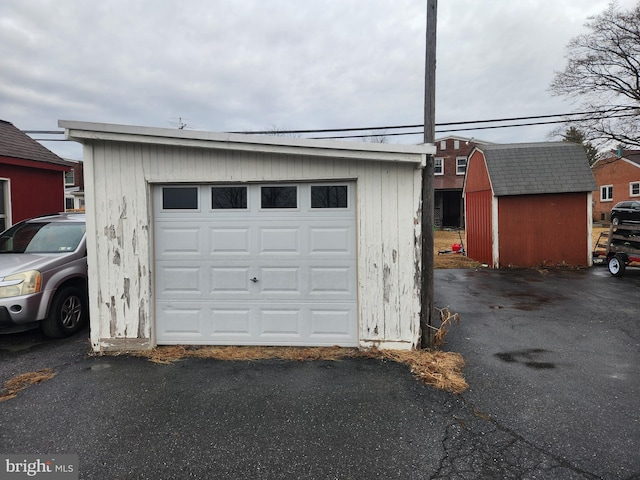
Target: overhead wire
<point>613,112</point>
<point>460,129</point>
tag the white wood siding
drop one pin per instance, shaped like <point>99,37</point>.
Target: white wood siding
<point>118,177</point>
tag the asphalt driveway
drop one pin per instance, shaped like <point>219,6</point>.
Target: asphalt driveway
<point>554,358</point>
<point>553,363</point>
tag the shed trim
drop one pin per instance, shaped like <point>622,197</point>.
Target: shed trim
<point>495,233</point>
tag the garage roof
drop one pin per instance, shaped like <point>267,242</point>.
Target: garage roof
<point>538,168</point>
<point>86,132</point>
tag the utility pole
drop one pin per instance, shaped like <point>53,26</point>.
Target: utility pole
<point>427,310</point>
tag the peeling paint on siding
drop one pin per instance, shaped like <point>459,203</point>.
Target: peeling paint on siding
<point>386,280</point>
<point>142,319</point>
<point>116,257</point>
<point>114,316</point>
<point>123,216</point>
<point>417,274</point>
<point>125,295</point>
<point>110,232</point>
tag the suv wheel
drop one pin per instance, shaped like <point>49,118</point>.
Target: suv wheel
<point>615,220</point>
<point>68,313</point>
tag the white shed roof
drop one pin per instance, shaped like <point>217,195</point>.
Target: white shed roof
<point>86,132</point>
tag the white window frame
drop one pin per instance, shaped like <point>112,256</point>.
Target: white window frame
<point>461,171</point>
<point>634,189</point>
<point>436,170</point>
<point>6,215</point>
<point>443,144</point>
<point>456,144</point>
<point>70,182</point>
<point>606,193</point>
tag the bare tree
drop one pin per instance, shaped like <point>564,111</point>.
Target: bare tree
<point>380,137</point>
<point>276,131</point>
<point>603,71</point>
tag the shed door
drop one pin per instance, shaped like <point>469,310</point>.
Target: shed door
<point>255,264</point>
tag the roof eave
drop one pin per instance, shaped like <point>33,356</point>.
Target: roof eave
<point>87,132</point>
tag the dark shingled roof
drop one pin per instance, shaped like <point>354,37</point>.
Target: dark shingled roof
<point>631,155</point>
<point>538,168</point>
<point>16,144</point>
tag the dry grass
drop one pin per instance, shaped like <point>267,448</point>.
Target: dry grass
<point>446,320</point>
<point>442,241</point>
<point>18,383</point>
<point>595,233</point>
<point>442,370</point>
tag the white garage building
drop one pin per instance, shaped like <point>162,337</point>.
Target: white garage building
<point>199,238</point>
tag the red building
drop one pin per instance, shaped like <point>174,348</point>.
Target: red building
<point>529,205</point>
<point>618,179</point>
<point>31,177</point>
<point>450,165</point>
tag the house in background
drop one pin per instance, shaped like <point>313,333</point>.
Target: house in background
<point>31,177</point>
<point>529,205</point>
<point>450,165</point>
<point>74,188</point>
<point>618,179</point>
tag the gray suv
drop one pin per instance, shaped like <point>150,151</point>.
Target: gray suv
<point>43,275</point>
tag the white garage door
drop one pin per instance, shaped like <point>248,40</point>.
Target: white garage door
<point>255,264</point>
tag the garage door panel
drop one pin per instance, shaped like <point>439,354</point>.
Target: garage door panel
<point>230,241</point>
<point>331,240</point>
<point>316,324</point>
<point>333,322</point>
<point>279,241</point>
<point>179,281</point>
<point>331,281</point>
<point>230,281</point>
<point>178,241</point>
<point>179,323</point>
<point>279,280</point>
<point>279,321</point>
<point>231,321</point>
<point>255,276</point>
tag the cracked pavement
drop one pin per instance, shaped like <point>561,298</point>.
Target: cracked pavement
<point>552,362</point>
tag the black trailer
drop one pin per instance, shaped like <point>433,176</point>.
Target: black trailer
<point>623,247</point>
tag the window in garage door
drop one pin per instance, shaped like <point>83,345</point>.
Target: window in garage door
<point>180,198</point>
<point>223,198</point>
<point>256,264</point>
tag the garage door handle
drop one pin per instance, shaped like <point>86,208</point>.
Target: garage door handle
<point>254,279</point>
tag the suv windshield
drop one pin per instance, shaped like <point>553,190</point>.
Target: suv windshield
<point>42,237</point>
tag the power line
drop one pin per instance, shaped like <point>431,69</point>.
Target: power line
<point>620,110</point>
<point>397,127</point>
<point>462,129</point>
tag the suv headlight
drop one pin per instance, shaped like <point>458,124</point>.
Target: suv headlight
<point>23,283</point>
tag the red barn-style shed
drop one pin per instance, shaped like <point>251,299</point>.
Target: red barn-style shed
<point>31,177</point>
<point>529,205</point>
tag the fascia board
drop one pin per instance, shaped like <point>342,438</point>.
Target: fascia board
<point>85,132</point>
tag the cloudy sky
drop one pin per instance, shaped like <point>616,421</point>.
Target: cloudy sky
<point>242,65</point>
